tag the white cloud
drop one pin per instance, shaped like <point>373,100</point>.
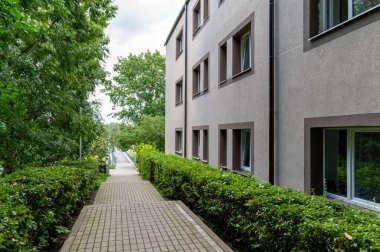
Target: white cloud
<point>139,25</point>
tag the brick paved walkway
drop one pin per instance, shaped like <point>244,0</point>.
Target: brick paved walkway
<point>130,215</point>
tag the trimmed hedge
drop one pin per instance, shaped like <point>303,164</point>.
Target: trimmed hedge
<point>256,216</point>
<point>34,202</point>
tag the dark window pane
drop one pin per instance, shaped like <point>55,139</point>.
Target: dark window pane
<point>336,162</point>
<point>367,166</point>
<point>246,161</point>
<point>246,149</point>
<point>245,54</point>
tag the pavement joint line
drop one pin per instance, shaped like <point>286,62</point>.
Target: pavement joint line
<point>200,230</point>
<point>129,214</point>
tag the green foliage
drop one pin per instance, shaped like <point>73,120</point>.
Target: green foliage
<point>148,130</point>
<point>255,216</point>
<point>139,87</point>
<point>99,148</point>
<point>36,202</point>
<point>16,222</point>
<point>51,55</point>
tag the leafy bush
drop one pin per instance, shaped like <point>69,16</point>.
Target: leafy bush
<point>36,202</point>
<point>16,222</point>
<point>256,216</point>
<point>148,129</point>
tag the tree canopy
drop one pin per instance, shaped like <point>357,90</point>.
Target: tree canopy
<point>149,130</point>
<point>139,86</point>
<point>51,55</point>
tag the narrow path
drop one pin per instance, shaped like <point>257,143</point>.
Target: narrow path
<point>130,215</point>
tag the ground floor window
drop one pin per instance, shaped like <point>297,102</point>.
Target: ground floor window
<point>196,143</point>
<point>352,164</point>
<point>245,150</point>
<point>200,143</point>
<point>178,141</point>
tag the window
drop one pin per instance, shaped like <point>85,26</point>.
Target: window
<point>245,150</point>
<point>200,143</point>
<point>245,52</point>
<point>352,164</point>
<point>205,74</point>
<point>196,143</point>
<point>242,150</point>
<point>197,17</point>
<point>205,145</point>
<point>205,9</point>
<point>201,77</point>
<point>242,50</point>
<point>178,92</point>
<point>223,63</point>
<point>197,80</point>
<point>223,148</point>
<point>333,12</point>
<point>178,141</point>
<point>179,44</point>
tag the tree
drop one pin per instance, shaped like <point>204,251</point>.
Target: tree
<point>51,55</point>
<point>139,86</point>
<point>149,130</point>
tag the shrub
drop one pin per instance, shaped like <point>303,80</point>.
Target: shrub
<point>15,220</point>
<point>35,202</point>
<point>256,216</point>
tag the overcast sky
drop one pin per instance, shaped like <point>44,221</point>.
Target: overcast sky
<point>138,26</point>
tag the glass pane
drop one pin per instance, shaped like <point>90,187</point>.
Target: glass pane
<point>246,149</point>
<point>336,162</point>
<point>199,143</point>
<point>360,6</point>
<point>245,54</point>
<point>198,81</point>
<point>367,166</point>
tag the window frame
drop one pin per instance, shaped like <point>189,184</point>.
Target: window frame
<point>179,44</point>
<point>179,92</point>
<point>225,44</point>
<point>200,148</point>
<point>197,18</point>
<point>243,135</point>
<point>206,10</point>
<point>201,81</point>
<point>179,141</point>
<point>196,144</point>
<point>223,63</point>
<point>351,199</point>
<point>197,80</point>
<point>313,39</point>
<point>243,53</point>
<point>205,137</point>
<point>223,147</point>
<point>206,74</point>
<point>224,155</point>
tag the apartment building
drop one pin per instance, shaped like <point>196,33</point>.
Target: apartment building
<point>285,91</point>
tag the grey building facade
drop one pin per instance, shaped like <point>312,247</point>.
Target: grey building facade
<point>286,91</point>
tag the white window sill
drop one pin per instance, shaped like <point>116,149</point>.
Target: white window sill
<point>342,24</point>
<point>356,202</point>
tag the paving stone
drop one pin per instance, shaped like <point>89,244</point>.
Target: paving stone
<point>130,215</point>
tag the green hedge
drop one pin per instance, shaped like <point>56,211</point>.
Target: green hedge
<point>35,202</point>
<point>256,216</point>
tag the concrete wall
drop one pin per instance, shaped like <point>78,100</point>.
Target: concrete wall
<point>175,69</point>
<point>245,100</point>
<point>338,75</point>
